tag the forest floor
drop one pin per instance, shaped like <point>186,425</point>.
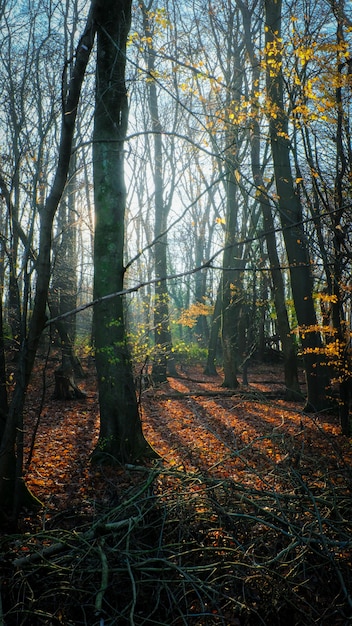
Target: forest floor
<point>246,518</point>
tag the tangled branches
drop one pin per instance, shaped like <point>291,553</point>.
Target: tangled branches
<point>190,549</point>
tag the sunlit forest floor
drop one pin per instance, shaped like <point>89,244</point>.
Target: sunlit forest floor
<point>245,519</point>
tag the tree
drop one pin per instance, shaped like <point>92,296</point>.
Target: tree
<point>63,292</point>
<point>210,368</point>
<point>290,211</point>
<point>121,436</point>
<point>63,286</point>
<point>342,191</point>
<point>233,258</point>
<point>288,347</point>
<point>163,346</point>
<point>13,492</point>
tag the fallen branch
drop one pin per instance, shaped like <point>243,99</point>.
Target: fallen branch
<point>60,546</point>
<point>104,577</point>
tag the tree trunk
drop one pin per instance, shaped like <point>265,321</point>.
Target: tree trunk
<point>233,258</point>
<point>288,346</point>
<point>65,384</point>
<point>290,211</point>
<point>13,492</point>
<point>201,252</point>
<point>121,438</point>
<point>343,181</point>
<point>163,362</point>
<point>63,290</point>
<point>231,289</point>
<point>3,382</point>
<point>210,369</point>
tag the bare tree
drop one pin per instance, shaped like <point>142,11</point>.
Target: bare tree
<point>13,491</point>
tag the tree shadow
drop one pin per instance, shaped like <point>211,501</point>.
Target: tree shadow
<point>234,436</point>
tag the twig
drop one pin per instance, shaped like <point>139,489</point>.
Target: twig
<point>2,623</point>
<point>104,577</point>
<point>97,530</point>
<point>133,582</point>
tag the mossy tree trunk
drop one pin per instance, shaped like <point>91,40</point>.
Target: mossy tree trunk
<point>121,438</point>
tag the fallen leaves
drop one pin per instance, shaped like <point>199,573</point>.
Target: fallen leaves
<point>244,521</point>
<point>240,435</point>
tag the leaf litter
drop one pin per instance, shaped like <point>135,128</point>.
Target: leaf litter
<point>244,520</point>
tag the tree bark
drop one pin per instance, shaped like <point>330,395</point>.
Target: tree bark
<point>342,182</point>
<point>121,438</point>
<point>290,211</point>
<point>65,384</point>
<point>163,362</point>
<point>210,368</point>
<point>13,492</point>
<point>231,288</point>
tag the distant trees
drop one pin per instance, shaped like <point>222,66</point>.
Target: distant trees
<point>237,155</point>
<point>162,358</point>
<point>13,492</point>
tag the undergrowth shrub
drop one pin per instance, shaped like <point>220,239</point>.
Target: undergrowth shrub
<point>189,353</point>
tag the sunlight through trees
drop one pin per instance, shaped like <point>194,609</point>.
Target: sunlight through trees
<point>207,183</point>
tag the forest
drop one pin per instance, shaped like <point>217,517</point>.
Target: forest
<point>175,312</point>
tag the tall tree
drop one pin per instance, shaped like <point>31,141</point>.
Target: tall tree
<point>233,258</point>
<point>288,346</point>
<point>63,291</point>
<point>121,436</point>
<point>163,361</point>
<point>13,491</point>
<point>342,189</point>
<point>290,211</point>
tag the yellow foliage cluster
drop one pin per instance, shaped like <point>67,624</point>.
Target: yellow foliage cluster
<point>161,18</point>
<point>325,297</point>
<point>311,66</point>
<point>273,57</point>
<point>190,316</point>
